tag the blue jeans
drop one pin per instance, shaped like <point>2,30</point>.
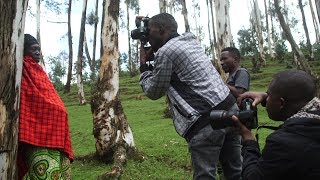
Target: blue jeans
<point>210,146</point>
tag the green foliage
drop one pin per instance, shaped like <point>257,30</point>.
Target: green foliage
<point>247,43</point>
<point>57,69</point>
<point>281,50</point>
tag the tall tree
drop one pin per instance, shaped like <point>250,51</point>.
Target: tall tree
<point>317,2</point>
<point>81,96</point>
<point>224,36</point>
<point>11,51</point>
<point>185,15</point>
<point>315,23</point>
<point>295,48</point>
<point>113,134</point>
<point>69,73</point>
<point>309,46</point>
<point>268,29</point>
<point>95,37</point>
<point>163,6</point>
<point>258,30</point>
<point>214,39</point>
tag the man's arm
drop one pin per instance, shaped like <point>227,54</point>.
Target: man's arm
<point>156,82</point>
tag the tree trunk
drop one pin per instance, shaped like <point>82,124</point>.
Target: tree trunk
<point>268,29</point>
<point>113,134</point>
<point>12,18</point>
<point>69,75</point>
<point>129,42</point>
<point>295,48</point>
<point>224,36</point>
<point>185,15</point>
<point>93,76</point>
<point>86,49</point>
<point>315,23</point>
<point>306,30</point>
<point>317,2</point>
<point>273,33</point>
<point>82,99</point>
<point>257,24</point>
<point>214,42</point>
<point>163,6</point>
<point>38,3</point>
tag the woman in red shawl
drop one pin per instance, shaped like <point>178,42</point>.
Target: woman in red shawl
<point>45,150</point>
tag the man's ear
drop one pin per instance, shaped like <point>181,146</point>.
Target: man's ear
<point>282,103</point>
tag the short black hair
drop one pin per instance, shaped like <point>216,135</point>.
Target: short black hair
<point>234,51</point>
<point>295,86</point>
<point>165,20</point>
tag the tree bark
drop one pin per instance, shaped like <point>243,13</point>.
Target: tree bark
<point>185,15</point>
<point>12,19</point>
<point>129,41</point>
<point>93,76</point>
<point>69,75</point>
<point>214,40</point>
<point>257,25</point>
<point>268,30</point>
<point>317,2</point>
<point>111,130</point>
<point>82,100</point>
<point>315,23</point>
<point>224,36</point>
<point>309,46</point>
<point>163,6</point>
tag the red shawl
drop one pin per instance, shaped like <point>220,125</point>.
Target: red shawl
<point>43,117</point>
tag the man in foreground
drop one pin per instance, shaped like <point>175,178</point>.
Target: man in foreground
<point>44,150</point>
<point>292,151</point>
<point>194,87</point>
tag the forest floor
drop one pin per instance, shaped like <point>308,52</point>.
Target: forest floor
<point>166,153</point>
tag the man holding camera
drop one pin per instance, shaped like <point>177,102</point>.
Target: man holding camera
<point>194,87</point>
<point>292,151</point>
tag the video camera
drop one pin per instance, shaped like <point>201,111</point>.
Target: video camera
<point>142,31</point>
<point>247,116</point>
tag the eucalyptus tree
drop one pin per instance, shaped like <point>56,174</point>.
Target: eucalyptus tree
<point>163,6</point>
<point>81,96</point>
<point>223,29</point>
<point>305,27</point>
<point>131,4</point>
<point>266,11</point>
<point>185,15</point>
<point>315,22</point>
<point>256,14</point>
<point>317,3</point>
<point>303,64</point>
<point>69,73</point>
<point>11,53</point>
<point>114,137</point>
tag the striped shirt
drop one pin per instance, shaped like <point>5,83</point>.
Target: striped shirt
<point>183,58</point>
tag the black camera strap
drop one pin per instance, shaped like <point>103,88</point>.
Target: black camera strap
<point>264,127</point>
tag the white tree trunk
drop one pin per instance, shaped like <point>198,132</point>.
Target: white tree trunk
<point>185,15</point>
<point>163,6</point>
<point>257,19</point>
<point>315,23</point>
<point>111,129</point>
<point>81,96</point>
<point>12,19</point>
<point>268,30</point>
<point>224,36</point>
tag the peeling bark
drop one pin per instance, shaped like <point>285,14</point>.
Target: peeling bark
<point>224,36</point>
<point>12,18</point>
<point>114,138</point>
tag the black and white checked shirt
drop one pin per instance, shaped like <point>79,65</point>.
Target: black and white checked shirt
<point>183,56</point>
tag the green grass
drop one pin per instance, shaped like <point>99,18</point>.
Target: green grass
<point>166,153</point>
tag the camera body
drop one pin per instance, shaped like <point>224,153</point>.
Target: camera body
<point>247,116</point>
<point>142,31</point>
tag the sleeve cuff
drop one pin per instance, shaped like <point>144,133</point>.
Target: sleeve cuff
<point>143,68</point>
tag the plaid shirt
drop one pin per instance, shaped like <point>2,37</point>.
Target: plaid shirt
<point>43,117</point>
<point>183,56</point>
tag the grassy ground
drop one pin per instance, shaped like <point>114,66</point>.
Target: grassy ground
<point>165,152</point>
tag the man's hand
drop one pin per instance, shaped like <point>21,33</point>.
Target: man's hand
<point>258,97</point>
<point>145,54</point>
<point>244,131</point>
